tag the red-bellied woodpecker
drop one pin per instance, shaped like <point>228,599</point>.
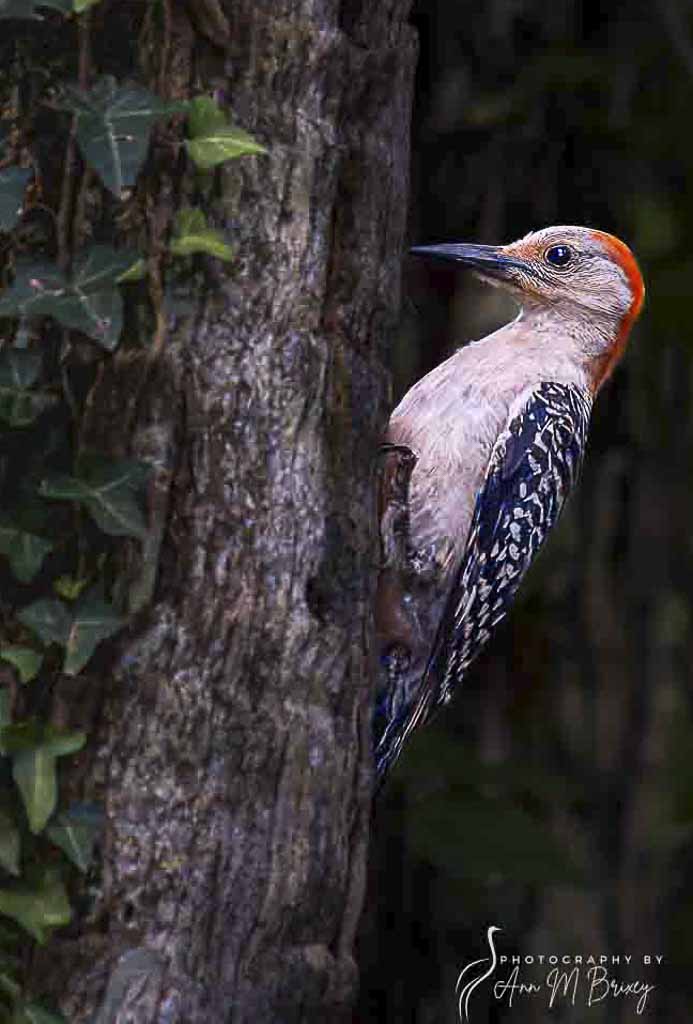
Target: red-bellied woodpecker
<point>480,456</point>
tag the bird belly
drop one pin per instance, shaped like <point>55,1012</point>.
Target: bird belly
<point>450,467</point>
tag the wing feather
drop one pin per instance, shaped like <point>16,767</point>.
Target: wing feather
<point>533,467</point>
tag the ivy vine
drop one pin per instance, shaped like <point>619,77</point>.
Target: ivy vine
<point>65,508</point>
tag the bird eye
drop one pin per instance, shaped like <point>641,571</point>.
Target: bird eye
<point>558,255</point>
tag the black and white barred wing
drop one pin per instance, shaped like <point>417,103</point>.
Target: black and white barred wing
<point>533,467</point>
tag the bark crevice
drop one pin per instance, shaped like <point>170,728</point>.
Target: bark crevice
<point>231,751</point>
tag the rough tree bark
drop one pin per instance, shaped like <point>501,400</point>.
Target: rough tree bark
<point>229,738</point>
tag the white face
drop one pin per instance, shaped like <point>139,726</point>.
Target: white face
<point>573,265</point>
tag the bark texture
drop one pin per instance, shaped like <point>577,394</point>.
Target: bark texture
<point>230,736</point>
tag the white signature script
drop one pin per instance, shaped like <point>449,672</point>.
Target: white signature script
<point>573,979</point>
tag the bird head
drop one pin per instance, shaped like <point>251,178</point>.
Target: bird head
<point>575,265</point>
<point>583,274</point>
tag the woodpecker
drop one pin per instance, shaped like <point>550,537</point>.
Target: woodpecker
<point>480,456</point>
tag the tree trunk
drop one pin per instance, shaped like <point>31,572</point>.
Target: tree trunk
<point>229,737</point>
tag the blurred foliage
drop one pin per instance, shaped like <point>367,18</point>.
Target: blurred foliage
<point>483,822</point>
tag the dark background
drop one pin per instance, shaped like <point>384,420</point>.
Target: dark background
<point>555,797</point>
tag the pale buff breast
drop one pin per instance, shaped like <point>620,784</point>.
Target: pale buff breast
<point>454,415</point>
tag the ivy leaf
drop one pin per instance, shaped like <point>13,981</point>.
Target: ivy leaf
<point>4,712</point>
<point>49,619</point>
<point>9,844</point>
<point>89,301</point>
<point>20,408</point>
<point>113,127</point>
<point>33,766</point>
<point>193,235</point>
<point>190,220</point>
<point>94,621</point>
<point>39,908</point>
<point>19,369</point>
<point>136,272</point>
<point>20,736</point>
<point>78,629</point>
<point>60,743</point>
<point>108,491</point>
<point>12,185</point>
<point>205,117</point>
<point>75,833</point>
<point>34,773</point>
<point>8,984</point>
<point>25,660</point>
<point>25,551</point>
<point>100,316</point>
<point>34,1013</point>
<point>99,267</point>
<point>35,287</point>
<point>18,9</point>
<point>92,303</point>
<point>212,139</point>
<point>69,587</point>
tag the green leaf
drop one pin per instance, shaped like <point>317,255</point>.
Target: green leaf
<point>60,743</point>
<point>9,985</point>
<point>5,718</point>
<point>136,272</point>
<point>25,660</point>
<point>190,220</point>
<point>89,302</point>
<point>26,9</point>
<point>210,242</point>
<point>20,408</point>
<point>113,127</point>
<point>33,765</point>
<point>34,1013</point>
<point>108,492</point>
<point>82,5</point>
<point>78,629</point>
<point>19,736</point>
<point>25,551</point>
<point>76,837</point>
<point>94,621</point>
<point>18,9</point>
<point>9,844</point>
<point>226,144</point>
<point>69,587</point>
<point>39,908</point>
<point>205,117</point>
<point>34,773</point>
<point>193,236</point>
<point>19,370</point>
<point>92,303</point>
<point>49,619</point>
<point>12,185</point>
<point>212,139</point>
<point>35,287</point>
<point>100,267</point>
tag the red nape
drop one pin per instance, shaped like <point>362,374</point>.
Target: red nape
<point>628,264</point>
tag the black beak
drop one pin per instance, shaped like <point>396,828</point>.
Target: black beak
<point>489,259</point>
